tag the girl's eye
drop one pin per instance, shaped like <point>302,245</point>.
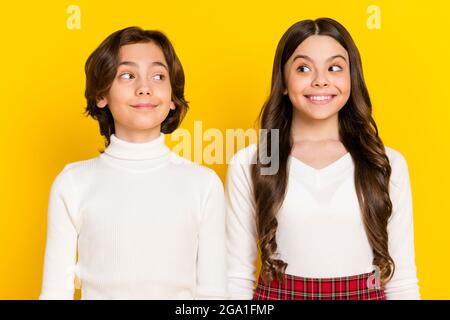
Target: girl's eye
<point>303,69</point>
<point>159,77</point>
<point>126,76</point>
<point>335,68</point>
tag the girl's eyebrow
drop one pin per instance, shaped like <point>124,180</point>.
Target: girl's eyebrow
<point>308,58</point>
<point>134,64</point>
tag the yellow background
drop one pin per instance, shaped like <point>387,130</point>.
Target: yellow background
<point>227,51</point>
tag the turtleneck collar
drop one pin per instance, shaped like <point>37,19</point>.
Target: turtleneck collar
<point>124,150</point>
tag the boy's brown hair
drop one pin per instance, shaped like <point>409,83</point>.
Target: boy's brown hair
<point>101,68</point>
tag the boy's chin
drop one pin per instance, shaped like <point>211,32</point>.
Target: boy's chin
<point>147,122</point>
<point>144,128</point>
<point>141,125</point>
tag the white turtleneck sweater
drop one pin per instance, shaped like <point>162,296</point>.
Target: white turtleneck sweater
<point>320,231</point>
<point>146,223</point>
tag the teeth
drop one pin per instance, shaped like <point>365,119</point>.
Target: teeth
<point>320,98</point>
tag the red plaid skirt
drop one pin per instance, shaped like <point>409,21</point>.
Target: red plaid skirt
<point>298,288</point>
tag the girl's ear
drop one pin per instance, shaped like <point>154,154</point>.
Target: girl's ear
<point>102,102</point>
<point>172,105</point>
<point>285,92</point>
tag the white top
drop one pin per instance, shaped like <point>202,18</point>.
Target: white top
<point>147,223</point>
<point>320,231</point>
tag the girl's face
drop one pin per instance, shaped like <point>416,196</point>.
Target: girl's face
<point>140,95</point>
<point>317,76</point>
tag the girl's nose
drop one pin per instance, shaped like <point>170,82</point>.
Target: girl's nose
<point>320,81</point>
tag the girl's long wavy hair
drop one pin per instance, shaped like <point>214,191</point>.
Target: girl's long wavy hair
<point>358,133</point>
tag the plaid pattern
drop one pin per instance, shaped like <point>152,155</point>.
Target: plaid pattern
<point>299,288</point>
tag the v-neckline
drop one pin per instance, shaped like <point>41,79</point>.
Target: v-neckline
<point>331,167</point>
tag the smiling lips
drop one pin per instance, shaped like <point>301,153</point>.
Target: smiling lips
<point>320,99</point>
<point>144,106</point>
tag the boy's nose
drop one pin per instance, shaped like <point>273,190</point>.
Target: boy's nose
<point>144,92</point>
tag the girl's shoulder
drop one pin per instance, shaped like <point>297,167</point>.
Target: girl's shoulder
<point>392,153</point>
<point>399,166</point>
<point>396,159</point>
<point>245,156</point>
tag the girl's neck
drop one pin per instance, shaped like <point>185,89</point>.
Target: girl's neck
<point>314,130</point>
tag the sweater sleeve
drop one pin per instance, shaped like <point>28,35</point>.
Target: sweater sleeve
<point>404,283</point>
<point>61,246</point>
<point>241,227</point>
<point>211,259</point>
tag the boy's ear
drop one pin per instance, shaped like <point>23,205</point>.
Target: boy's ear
<point>102,102</point>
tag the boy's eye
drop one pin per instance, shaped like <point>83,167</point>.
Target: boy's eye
<point>126,76</point>
<point>159,77</point>
<point>335,68</point>
<point>303,68</point>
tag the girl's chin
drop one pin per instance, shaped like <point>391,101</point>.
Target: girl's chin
<point>320,117</point>
<point>314,113</point>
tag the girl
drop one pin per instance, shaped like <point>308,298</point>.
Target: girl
<point>335,220</point>
<point>147,224</point>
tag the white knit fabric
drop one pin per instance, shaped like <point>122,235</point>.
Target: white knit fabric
<point>320,231</point>
<point>147,225</point>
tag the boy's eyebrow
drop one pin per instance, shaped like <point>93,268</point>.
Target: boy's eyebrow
<point>134,64</point>
<point>308,58</point>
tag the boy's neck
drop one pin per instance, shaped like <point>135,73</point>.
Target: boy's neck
<point>138,136</point>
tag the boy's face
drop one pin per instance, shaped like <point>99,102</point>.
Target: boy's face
<point>140,95</point>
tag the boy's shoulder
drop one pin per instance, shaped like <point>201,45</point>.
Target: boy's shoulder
<point>75,169</point>
<point>80,165</point>
<point>187,167</point>
<point>67,177</point>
